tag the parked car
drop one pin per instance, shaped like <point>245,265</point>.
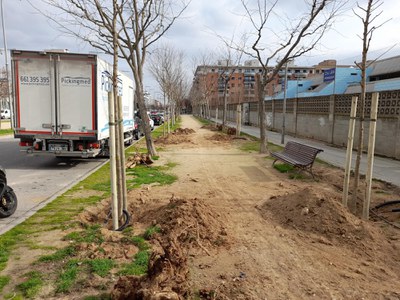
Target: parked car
<point>150,121</point>
<point>157,118</point>
<point>139,123</point>
<point>5,114</point>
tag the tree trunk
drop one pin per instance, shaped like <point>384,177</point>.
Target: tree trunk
<point>145,119</point>
<point>261,115</point>
<point>224,112</point>
<point>360,144</point>
<point>142,108</point>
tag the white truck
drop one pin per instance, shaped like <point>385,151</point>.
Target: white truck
<point>61,103</point>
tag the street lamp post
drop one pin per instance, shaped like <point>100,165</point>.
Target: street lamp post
<point>6,62</point>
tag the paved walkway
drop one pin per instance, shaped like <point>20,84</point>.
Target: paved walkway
<point>386,169</point>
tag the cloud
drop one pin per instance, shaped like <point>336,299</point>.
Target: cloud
<point>198,28</point>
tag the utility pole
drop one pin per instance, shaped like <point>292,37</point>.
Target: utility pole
<point>6,63</point>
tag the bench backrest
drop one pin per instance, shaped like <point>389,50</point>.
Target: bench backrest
<point>301,152</point>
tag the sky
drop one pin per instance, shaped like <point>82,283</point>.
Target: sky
<point>197,31</point>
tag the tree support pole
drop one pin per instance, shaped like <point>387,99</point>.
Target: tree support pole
<point>349,152</point>
<point>122,156</point>
<point>113,165</point>
<point>370,155</point>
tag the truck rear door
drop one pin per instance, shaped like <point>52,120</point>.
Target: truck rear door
<point>54,94</point>
<point>76,105</point>
<point>34,94</point>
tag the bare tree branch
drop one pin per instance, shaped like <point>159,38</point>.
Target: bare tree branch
<point>299,38</point>
<point>140,24</point>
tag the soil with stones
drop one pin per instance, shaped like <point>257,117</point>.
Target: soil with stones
<point>233,227</point>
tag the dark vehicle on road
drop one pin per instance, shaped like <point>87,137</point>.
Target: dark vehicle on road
<point>8,199</point>
<point>157,118</point>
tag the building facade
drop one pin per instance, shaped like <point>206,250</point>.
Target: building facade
<point>213,85</point>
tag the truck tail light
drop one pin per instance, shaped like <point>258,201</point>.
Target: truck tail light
<point>37,146</point>
<point>25,144</point>
<point>94,145</point>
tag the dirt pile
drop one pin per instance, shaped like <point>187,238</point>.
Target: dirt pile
<point>220,137</point>
<point>211,127</point>
<point>180,135</point>
<point>186,227</point>
<point>319,213</point>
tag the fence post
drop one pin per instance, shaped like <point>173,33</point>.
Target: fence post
<point>273,114</point>
<point>295,101</point>
<point>397,139</point>
<point>238,119</point>
<point>331,129</point>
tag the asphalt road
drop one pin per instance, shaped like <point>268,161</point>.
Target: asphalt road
<point>37,180</point>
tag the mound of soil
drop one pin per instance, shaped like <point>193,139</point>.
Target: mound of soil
<point>183,131</point>
<point>180,135</point>
<point>187,226</point>
<point>220,137</point>
<point>212,127</point>
<point>317,212</point>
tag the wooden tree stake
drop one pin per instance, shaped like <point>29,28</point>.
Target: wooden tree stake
<point>349,152</point>
<point>370,155</point>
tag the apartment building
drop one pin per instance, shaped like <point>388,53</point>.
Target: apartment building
<point>242,81</point>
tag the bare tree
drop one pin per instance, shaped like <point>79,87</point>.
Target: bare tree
<point>203,88</point>
<point>230,58</point>
<point>368,16</point>
<point>140,24</point>
<point>300,36</point>
<point>166,65</point>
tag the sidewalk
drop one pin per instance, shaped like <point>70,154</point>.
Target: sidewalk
<point>5,124</point>
<point>385,169</point>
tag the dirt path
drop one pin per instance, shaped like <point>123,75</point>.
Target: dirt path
<point>281,238</point>
<point>233,227</point>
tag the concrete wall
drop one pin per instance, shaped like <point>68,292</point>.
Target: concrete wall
<point>331,124</point>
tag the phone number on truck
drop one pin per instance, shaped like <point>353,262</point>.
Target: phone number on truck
<point>34,80</point>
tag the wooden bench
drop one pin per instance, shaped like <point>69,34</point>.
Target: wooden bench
<point>298,155</point>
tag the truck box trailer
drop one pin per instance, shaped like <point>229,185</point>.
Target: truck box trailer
<point>61,103</point>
